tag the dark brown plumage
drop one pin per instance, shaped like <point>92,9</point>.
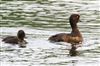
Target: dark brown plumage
<point>19,39</point>
<point>74,37</point>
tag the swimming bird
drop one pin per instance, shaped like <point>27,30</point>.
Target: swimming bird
<point>74,38</point>
<point>19,39</point>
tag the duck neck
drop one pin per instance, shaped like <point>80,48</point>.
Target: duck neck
<point>74,27</point>
<point>75,30</point>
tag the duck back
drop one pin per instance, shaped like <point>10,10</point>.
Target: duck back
<point>11,39</point>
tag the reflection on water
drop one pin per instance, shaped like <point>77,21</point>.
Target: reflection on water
<point>42,19</point>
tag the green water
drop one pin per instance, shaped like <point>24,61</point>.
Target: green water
<point>40,20</point>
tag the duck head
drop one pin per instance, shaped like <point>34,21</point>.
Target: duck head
<point>74,18</point>
<point>21,36</point>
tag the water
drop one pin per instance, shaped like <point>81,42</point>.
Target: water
<point>40,20</point>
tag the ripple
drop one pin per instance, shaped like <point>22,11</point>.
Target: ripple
<point>41,19</point>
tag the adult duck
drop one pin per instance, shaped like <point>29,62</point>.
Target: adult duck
<point>74,38</point>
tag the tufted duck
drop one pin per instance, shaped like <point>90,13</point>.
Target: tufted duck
<point>73,38</point>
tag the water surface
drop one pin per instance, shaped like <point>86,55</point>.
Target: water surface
<point>40,20</point>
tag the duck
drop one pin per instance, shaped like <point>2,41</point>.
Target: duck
<point>19,39</point>
<point>74,38</point>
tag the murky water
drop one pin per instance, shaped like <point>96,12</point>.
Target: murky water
<point>42,19</point>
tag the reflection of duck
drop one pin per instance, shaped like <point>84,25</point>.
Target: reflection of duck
<point>73,51</point>
<point>19,39</point>
<point>74,37</point>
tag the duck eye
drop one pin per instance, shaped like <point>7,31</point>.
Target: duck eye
<point>76,16</point>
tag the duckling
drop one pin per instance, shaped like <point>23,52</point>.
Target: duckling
<point>19,39</point>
